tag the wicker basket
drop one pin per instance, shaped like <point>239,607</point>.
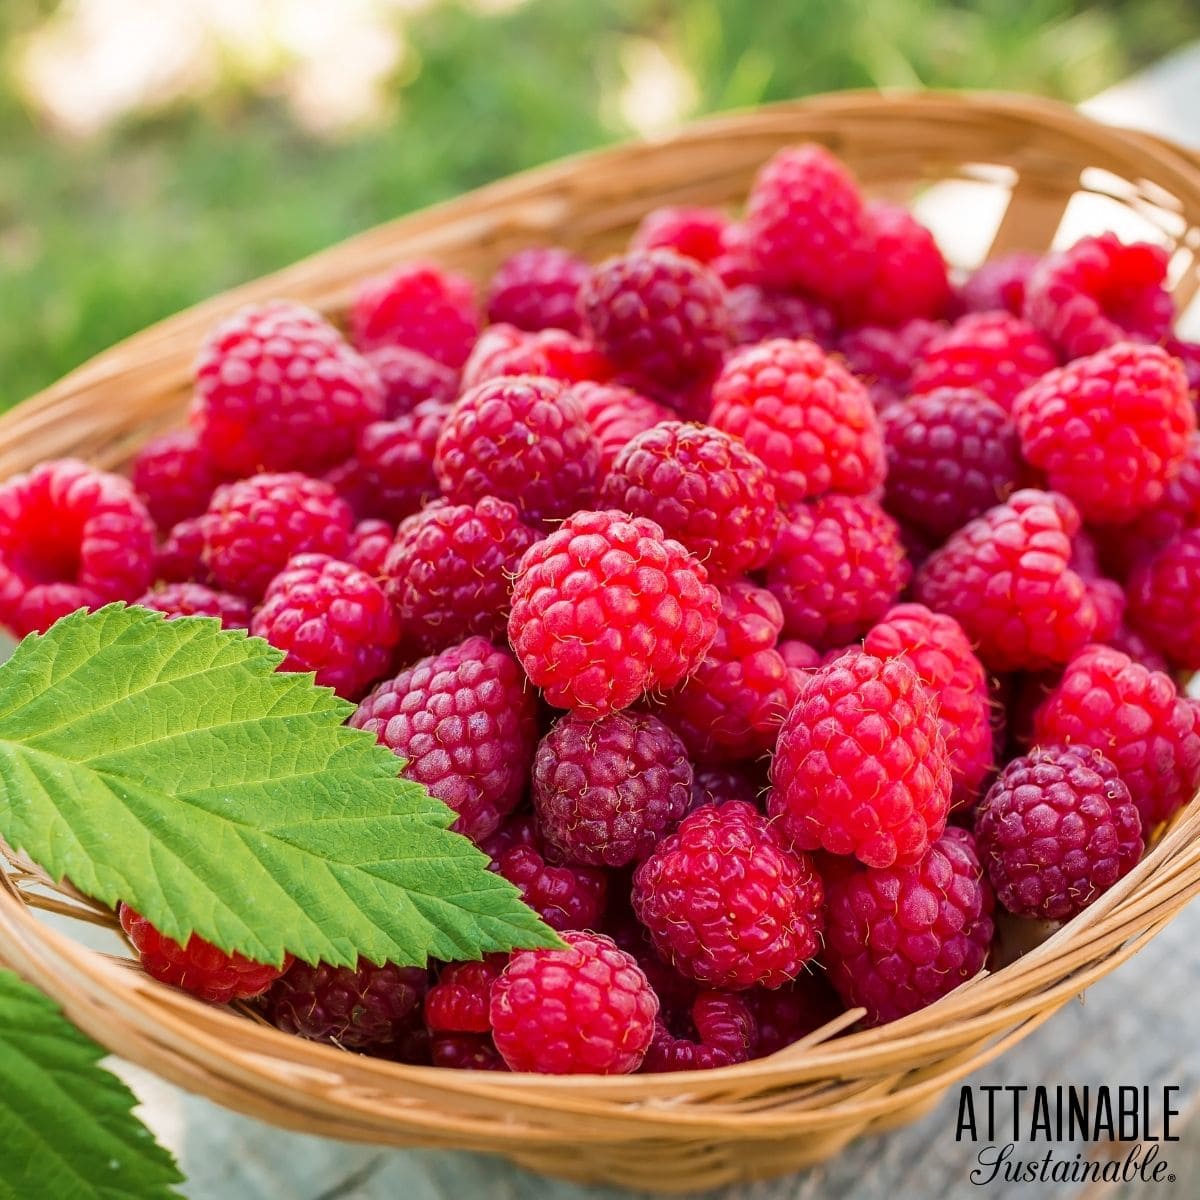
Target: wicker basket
<point>666,1132</point>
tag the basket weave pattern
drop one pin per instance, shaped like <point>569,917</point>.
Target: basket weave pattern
<point>666,1132</point>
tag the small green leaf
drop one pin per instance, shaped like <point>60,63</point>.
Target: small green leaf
<point>67,1128</point>
<point>169,765</point>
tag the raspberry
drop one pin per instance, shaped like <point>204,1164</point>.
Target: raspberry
<point>70,537</point>
<point>351,481</point>
<point>459,1001</point>
<point>704,488</point>
<point>565,896</point>
<point>837,568</point>
<point>408,377</point>
<point>1130,642</point>
<point>1000,284</point>
<point>951,455</point>
<point>253,527</point>
<point>804,415</point>
<point>1056,830</point>
<point>798,655</point>
<point>1110,431</point>
<point>806,224</point>
<point>466,726</point>
<point>1134,717</point>
<point>661,318</point>
<point>1188,354</point>
<point>902,937</point>
<point>417,305</point>
<point>607,790</point>
<point>370,541</point>
<point>199,967</point>
<point>397,459</point>
<point>716,783</point>
<point>1006,577</point>
<point>1100,292</point>
<point>993,352</point>
<point>173,477</point>
<point>861,766</point>
<point>585,1009</point>
<point>734,266</point>
<point>720,1031</point>
<point>519,439</point>
<point>196,600</point>
<point>1162,600</point>
<point>785,1015</point>
<point>331,618</point>
<point>759,315</point>
<point>412,1045</point>
<point>466,1052</point>
<point>504,350</point>
<point>692,232</point>
<point>356,1008</point>
<point>538,288</point>
<point>180,556</point>
<point>449,572</point>
<point>676,993</point>
<point>617,415</point>
<point>936,647</point>
<point>277,389</point>
<point>883,358</point>
<point>727,904</point>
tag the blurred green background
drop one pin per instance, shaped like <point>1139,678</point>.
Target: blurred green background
<point>152,153</point>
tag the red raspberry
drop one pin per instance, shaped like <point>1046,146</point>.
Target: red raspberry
<point>70,537</point>
<point>199,967</point>
<point>808,419</point>
<point>720,1030</point>
<point>727,904</point>
<point>173,477</point>
<point>466,1052</point>
<point>1162,600</point>
<point>734,266</point>
<point>993,352</point>
<point>351,481</point>
<point>356,1008</point>
<point>585,1009</point>
<point>277,389</point>
<point>936,647</point>
<point>1133,716</point>
<point>565,896</point>
<point>1130,642</point>
<point>538,288</point>
<point>180,556</point>
<point>951,454</point>
<point>196,600</point>
<point>1056,830</point>
<point>607,790</point>
<point>692,232</point>
<point>1000,284</point>
<point>785,1015</point>
<point>505,351</point>
<point>1188,353</point>
<point>617,414</point>
<point>714,783</point>
<point>408,377</point>
<point>861,767</point>
<point>417,305</point>
<point>883,358</point>
<point>370,541</point>
<point>661,318</point>
<point>466,726</point>
<point>807,225</point>
<point>1006,577</point>
<point>397,459</point>
<point>1100,292</point>
<point>450,571</point>
<point>253,527</point>
<point>519,439</point>
<point>607,608</point>
<point>837,568</point>
<point>331,618</point>
<point>759,315</point>
<point>460,1000</point>
<point>704,488</point>
<point>902,937</point>
<point>1110,431</point>
<point>798,655</point>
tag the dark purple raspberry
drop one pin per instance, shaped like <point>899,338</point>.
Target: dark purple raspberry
<point>785,1015</point>
<point>719,1031</point>
<point>465,1052</point>
<point>883,359</point>
<point>714,783</point>
<point>759,315</point>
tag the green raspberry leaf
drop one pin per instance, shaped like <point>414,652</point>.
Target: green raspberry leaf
<point>66,1125</point>
<point>169,765</point>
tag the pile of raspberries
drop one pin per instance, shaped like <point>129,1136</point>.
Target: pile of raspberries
<point>771,607</point>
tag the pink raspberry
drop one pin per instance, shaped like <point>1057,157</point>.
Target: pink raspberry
<point>585,1009</point>
<point>951,455</point>
<point>798,655</point>
<point>460,1000</point>
<point>174,478</point>
<point>720,1030</point>
<point>837,568</point>
<point>354,1007</point>
<point>408,377</point>
<point>861,766</point>
<point>617,414</point>
<point>196,600</point>
<point>277,389</point>
<point>1162,600</point>
<point>519,439</point>
<point>607,790</point>
<point>465,724</point>
<point>538,288</point>
<point>1133,716</point>
<point>370,541</point>
<point>883,359</point>
<point>1006,577</point>
<point>465,1052</point>
<point>807,225</point>
<point>179,558</point>
<point>417,305</point>
<point>450,571</point>
<point>692,232</point>
<point>660,318</point>
<point>565,896</point>
<point>1099,292</point>
<point>1056,830</point>
<point>755,920</point>
<point>715,783</point>
<point>785,1015</point>
<point>992,352</point>
<point>397,459</point>
<point>1000,284</point>
<point>704,488</point>
<point>1188,354</point>
<point>607,608</point>
<point>759,315</point>
<point>254,526</point>
<point>902,937</point>
<point>1110,431</point>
